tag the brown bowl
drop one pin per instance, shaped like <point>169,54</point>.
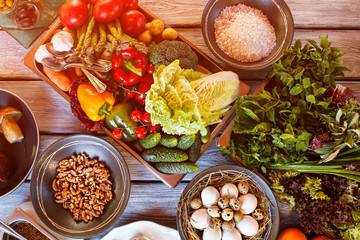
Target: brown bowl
<point>279,16</point>
<point>22,155</point>
<point>59,219</point>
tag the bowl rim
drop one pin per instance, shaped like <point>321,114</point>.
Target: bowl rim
<point>274,208</point>
<point>37,140</point>
<point>251,66</point>
<point>34,192</point>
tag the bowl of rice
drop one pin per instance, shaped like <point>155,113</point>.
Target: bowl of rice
<point>247,34</point>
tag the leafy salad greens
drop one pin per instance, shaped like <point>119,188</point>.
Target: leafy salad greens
<point>186,101</point>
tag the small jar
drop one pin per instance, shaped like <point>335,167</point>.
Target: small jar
<point>26,15</point>
<point>6,6</point>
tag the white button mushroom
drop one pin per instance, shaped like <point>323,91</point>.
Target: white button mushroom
<point>229,190</point>
<point>248,203</point>
<point>248,226</point>
<point>211,234</point>
<point>8,126</point>
<point>209,196</point>
<point>232,235</point>
<point>200,219</point>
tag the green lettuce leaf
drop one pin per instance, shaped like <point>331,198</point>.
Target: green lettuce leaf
<point>351,234</point>
<point>314,189</point>
<point>186,101</point>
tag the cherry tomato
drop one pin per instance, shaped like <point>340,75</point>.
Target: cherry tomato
<point>91,1</point>
<point>150,69</point>
<point>107,10</point>
<point>130,94</point>
<point>130,4</point>
<point>117,133</point>
<point>154,128</point>
<point>133,22</point>
<point>73,13</point>
<point>136,115</point>
<point>117,61</point>
<point>146,118</point>
<point>140,132</point>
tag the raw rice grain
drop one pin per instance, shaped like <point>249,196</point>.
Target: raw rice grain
<point>244,33</point>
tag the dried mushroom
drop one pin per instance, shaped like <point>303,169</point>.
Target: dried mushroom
<point>82,185</point>
<point>8,124</point>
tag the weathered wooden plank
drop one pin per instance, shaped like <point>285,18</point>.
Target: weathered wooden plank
<point>51,111</point>
<point>11,66</point>
<point>306,13</point>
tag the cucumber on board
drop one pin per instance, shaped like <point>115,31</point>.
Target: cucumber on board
<point>177,167</point>
<point>168,140</point>
<point>163,154</point>
<point>185,141</point>
<point>150,141</point>
<point>194,149</point>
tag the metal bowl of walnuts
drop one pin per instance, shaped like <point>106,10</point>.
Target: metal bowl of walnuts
<point>80,186</point>
<point>227,202</point>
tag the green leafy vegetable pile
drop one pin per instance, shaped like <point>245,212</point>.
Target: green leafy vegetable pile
<point>184,101</point>
<point>304,133</point>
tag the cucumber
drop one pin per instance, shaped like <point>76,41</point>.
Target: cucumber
<point>185,141</point>
<point>194,150</point>
<point>150,141</point>
<point>177,167</point>
<point>206,138</point>
<point>168,140</point>
<point>163,154</point>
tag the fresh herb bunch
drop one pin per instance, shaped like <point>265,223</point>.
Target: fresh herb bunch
<point>276,127</point>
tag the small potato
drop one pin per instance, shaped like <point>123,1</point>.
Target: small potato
<point>147,25</point>
<point>157,38</point>
<point>145,37</point>
<point>156,26</point>
<point>169,34</point>
<point>9,3</point>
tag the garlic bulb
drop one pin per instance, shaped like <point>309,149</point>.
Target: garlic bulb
<point>62,41</point>
<point>41,53</point>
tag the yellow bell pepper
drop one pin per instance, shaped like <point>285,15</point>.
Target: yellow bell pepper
<point>95,105</point>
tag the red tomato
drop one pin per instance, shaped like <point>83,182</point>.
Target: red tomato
<point>146,118</point>
<point>73,13</point>
<point>133,22</point>
<point>107,10</point>
<point>130,4</point>
<point>154,128</point>
<point>140,132</point>
<point>135,115</point>
<point>91,1</point>
<point>117,133</point>
<point>130,94</point>
<point>150,69</point>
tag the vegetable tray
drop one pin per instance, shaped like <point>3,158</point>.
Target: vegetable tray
<point>205,64</point>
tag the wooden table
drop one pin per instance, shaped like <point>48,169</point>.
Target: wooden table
<point>150,199</point>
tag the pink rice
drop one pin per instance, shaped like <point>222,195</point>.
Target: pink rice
<point>244,33</point>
